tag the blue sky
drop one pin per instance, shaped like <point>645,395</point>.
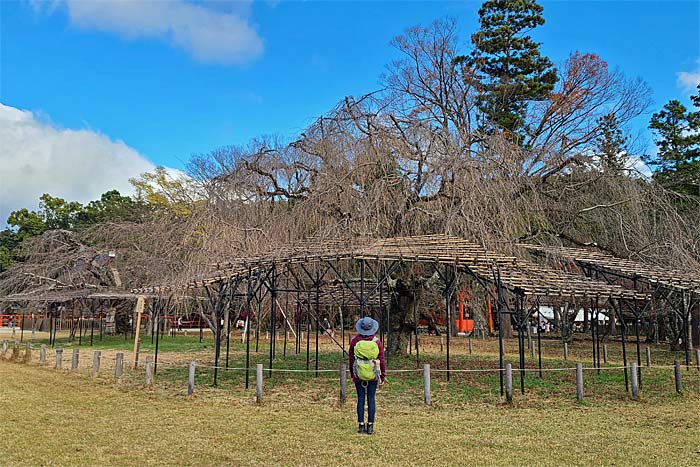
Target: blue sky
<point>156,76</point>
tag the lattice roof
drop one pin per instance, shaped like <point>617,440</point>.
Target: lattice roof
<point>667,277</point>
<point>515,274</point>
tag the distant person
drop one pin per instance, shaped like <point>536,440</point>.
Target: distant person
<point>179,323</point>
<point>367,368</point>
<point>327,327</point>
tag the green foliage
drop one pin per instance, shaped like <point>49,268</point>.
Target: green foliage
<point>59,213</point>
<point>9,241</point>
<point>28,223</point>
<point>678,159</point>
<point>611,145</point>
<point>112,206</point>
<point>514,70</point>
<point>163,191</point>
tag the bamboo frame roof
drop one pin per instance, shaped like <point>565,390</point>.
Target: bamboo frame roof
<point>666,277</point>
<point>62,296</point>
<point>515,274</point>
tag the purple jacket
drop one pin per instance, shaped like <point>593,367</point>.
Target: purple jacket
<point>351,353</point>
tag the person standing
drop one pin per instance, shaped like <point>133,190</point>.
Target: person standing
<point>367,368</point>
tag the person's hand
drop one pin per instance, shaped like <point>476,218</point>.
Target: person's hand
<point>382,381</point>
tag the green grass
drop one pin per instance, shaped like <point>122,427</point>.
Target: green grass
<point>56,418</point>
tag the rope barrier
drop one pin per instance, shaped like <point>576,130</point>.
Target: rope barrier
<point>420,370</point>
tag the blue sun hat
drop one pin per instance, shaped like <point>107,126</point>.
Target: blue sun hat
<point>366,326</point>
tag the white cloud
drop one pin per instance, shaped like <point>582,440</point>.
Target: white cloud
<point>211,32</point>
<point>637,167</point>
<point>689,80</point>
<point>77,165</point>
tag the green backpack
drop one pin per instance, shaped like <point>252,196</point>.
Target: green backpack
<point>366,353</point>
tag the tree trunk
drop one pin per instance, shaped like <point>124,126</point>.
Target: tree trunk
<point>695,324</point>
<point>401,326</point>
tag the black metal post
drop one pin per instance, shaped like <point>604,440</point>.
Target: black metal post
<point>51,319</point>
<point>521,339</point>
<point>624,347</point>
<point>273,298</point>
<point>102,321</point>
<point>92,321</point>
<point>592,324</point>
<point>342,318</point>
<point>308,330</point>
<point>228,334</point>
<point>362,288</point>
<point>248,310</point>
<point>258,317</point>
<point>539,339</point>
<point>499,311</point>
<point>286,324</point>
<point>156,324</point>
<point>686,337</point>
<point>449,283</point>
<point>297,317</point>
<point>597,336</point>
<point>318,297</point>
<point>80,327</point>
<point>415,319</point>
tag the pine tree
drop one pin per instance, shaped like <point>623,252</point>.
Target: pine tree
<point>611,145</point>
<point>514,72</point>
<point>678,159</point>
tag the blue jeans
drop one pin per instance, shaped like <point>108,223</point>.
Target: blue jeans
<point>369,391</point>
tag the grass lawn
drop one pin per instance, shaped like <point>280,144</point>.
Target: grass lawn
<point>54,417</point>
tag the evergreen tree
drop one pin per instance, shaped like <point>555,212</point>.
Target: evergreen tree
<point>611,145</point>
<point>514,72</point>
<point>678,159</point>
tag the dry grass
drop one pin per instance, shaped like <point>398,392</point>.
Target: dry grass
<point>58,418</point>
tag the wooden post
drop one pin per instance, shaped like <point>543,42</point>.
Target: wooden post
<point>75,360</point>
<point>532,349</point>
<point>190,379</point>
<point>258,383</point>
<point>605,353</point>
<point>140,303</point>
<point>119,366</point>
<point>677,375</point>
<point>136,355</point>
<point>149,370</point>
<point>28,353</point>
<point>59,358</point>
<point>509,383</point>
<point>343,383</point>
<point>426,383</point>
<point>470,345</point>
<point>634,380</point>
<point>648,356</point>
<point>96,363</point>
<point>566,351</point>
<point>579,381</point>
<point>441,343</point>
<point>697,358</point>
<point>42,354</point>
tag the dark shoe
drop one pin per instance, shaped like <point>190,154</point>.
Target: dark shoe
<point>360,427</point>
<point>370,428</point>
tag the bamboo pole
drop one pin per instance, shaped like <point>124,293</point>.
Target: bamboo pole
<point>140,302</point>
